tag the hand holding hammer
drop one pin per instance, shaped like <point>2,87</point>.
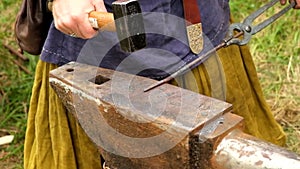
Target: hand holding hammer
<point>71,16</point>
<point>84,18</point>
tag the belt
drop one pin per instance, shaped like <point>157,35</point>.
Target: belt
<point>193,25</point>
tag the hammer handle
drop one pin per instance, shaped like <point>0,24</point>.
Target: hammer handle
<point>102,20</point>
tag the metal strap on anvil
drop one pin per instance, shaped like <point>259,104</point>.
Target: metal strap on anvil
<point>193,25</point>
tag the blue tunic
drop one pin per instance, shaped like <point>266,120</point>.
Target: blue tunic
<point>167,47</point>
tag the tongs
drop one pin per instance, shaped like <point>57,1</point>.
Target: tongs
<point>245,29</point>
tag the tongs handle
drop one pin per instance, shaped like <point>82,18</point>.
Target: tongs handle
<point>248,29</point>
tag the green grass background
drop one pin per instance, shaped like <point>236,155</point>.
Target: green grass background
<point>275,51</point>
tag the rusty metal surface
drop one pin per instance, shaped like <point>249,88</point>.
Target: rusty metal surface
<point>125,92</point>
<point>167,128</point>
<point>239,150</point>
<point>202,150</point>
<point>114,112</point>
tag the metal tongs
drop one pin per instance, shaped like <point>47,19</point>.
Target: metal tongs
<point>246,29</point>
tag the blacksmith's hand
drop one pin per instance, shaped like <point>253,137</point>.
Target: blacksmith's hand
<point>283,2</point>
<point>71,16</point>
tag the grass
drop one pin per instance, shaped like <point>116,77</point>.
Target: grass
<point>275,51</point>
<point>15,89</point>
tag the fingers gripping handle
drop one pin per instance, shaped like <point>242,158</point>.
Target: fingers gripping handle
<point>98,20</point>
<point>102,20</point>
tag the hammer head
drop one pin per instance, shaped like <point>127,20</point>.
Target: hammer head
<point>129,25</point>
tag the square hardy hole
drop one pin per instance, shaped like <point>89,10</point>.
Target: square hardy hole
<point>99,80</point>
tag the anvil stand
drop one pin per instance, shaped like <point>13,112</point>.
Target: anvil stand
<point>168,127</point>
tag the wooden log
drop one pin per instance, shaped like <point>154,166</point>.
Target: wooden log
<point>16,53</point>
<point>21,66</point>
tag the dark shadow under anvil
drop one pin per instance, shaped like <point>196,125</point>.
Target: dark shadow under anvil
<point>167,127</point>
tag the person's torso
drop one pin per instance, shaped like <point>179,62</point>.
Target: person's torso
<point>166,46</point>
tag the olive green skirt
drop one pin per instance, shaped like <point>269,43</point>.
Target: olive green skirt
<point>54,139</point>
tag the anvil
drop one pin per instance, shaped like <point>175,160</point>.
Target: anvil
<point>168,127</point>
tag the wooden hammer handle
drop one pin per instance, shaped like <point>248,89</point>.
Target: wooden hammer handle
<point>102,20</point>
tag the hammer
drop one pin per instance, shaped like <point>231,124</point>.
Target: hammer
<point>128,23</point>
